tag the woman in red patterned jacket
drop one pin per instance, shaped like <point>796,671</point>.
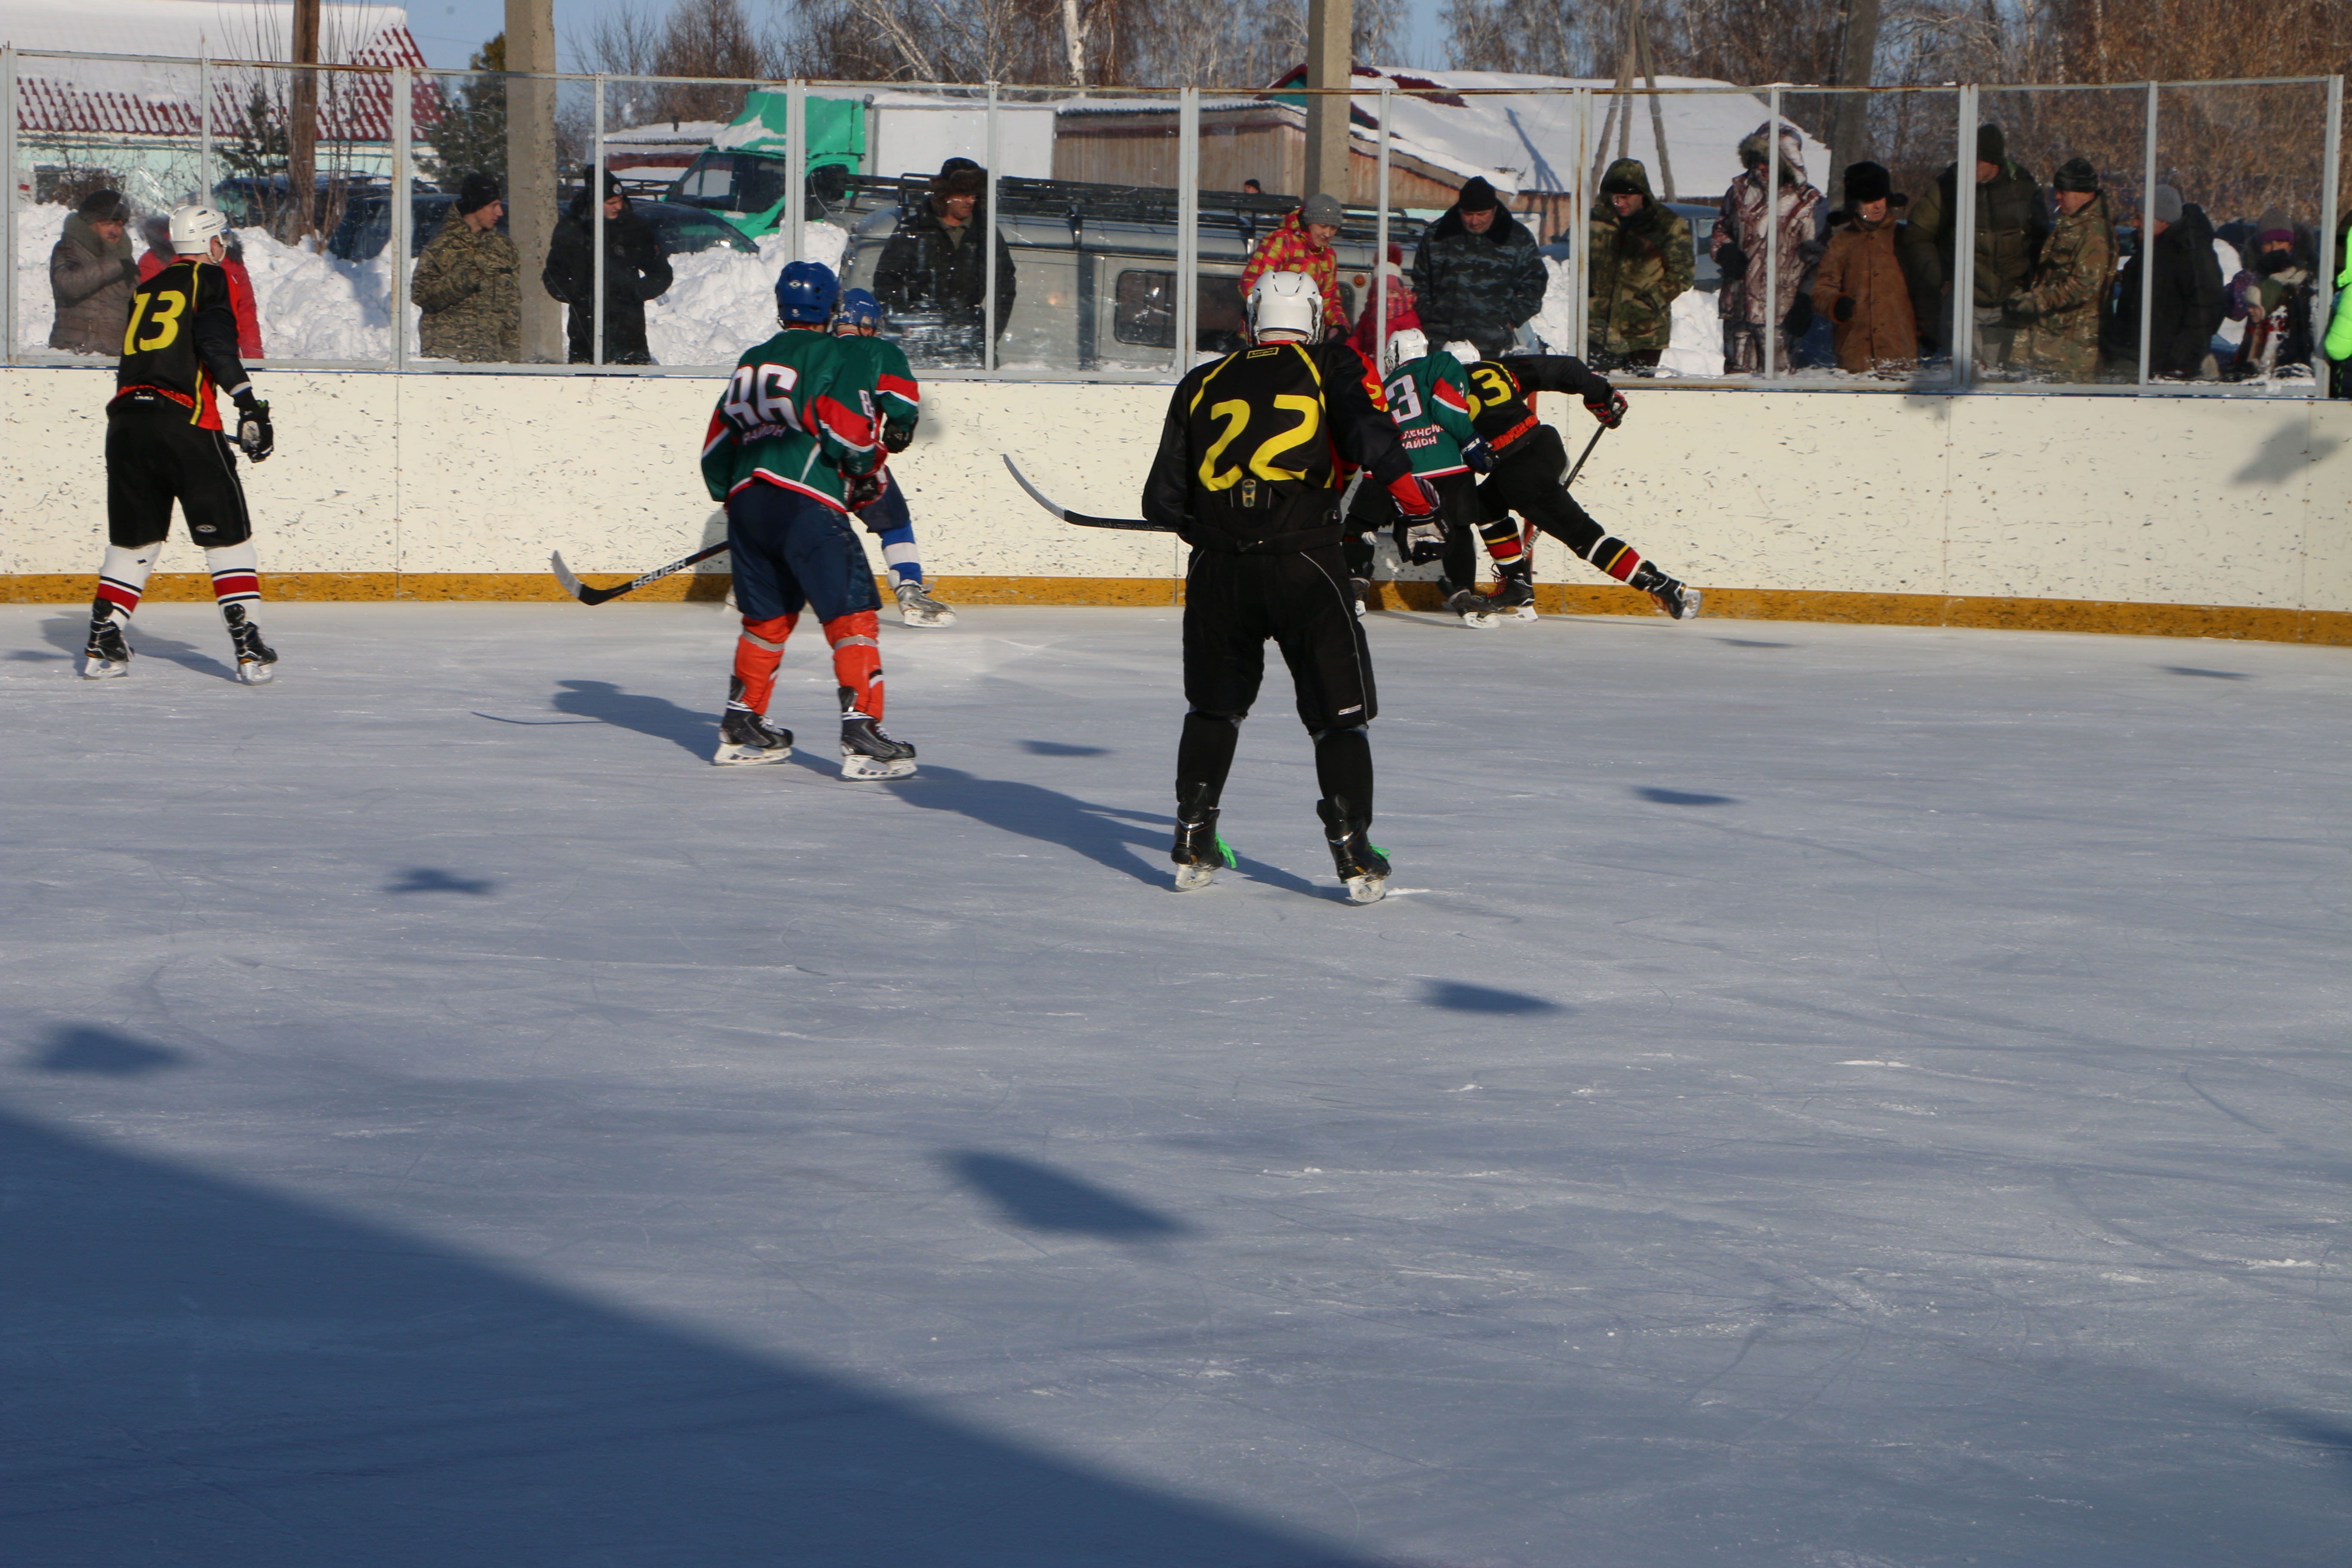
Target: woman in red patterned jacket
<point>1302,243</point>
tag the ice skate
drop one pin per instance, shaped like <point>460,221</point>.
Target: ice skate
<point>106,654</point>
<point>253,656</point>
<point>1362,864</point>
<point>1198,851</point>
<point>1666,593</point>
<point>1476,610</point>
<point>745,738</point>
<point>866,752</point>
<point>917,608</point>
<point>1359,590</point>
<point>1515,596</point>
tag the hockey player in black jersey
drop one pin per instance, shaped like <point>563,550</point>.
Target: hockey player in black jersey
<point>1530,463</point>
<point>1246,473</point>
<point>164,443</point>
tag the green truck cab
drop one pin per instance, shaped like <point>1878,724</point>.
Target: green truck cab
<point>745,175</point>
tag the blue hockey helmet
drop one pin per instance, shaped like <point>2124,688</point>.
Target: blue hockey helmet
<point>805,292</point>
<point>859,308</point>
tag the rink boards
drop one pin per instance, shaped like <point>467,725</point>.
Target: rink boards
<point>2183,516</point>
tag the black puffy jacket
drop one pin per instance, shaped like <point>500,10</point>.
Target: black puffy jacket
<point>635,270</point>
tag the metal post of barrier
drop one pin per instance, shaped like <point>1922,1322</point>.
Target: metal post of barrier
<point>403,209</point>
<point>1187,228</point>
<point>1771,334</point>
<point>8,211</point>
<point>2331,172</point>
<point>1380,249</point>
<point>596,225</point>
<point>988,240</point>
<point>2148,238</point>
<point>797,163</point>
<point>1962,220</point>
<point>204,131</point>
<point>1580,232</point>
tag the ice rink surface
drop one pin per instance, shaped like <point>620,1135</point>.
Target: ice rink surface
<point>1835,1096</point>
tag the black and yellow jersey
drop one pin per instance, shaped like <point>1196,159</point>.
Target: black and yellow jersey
<point>180,344</point>
<point>1503,393</point>
<point>1255,444</point>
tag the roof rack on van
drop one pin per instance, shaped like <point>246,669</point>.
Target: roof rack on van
<point>1250,214</point>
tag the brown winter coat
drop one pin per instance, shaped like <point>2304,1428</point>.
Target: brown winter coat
<point>91,282</point>
<point>1861,266</point>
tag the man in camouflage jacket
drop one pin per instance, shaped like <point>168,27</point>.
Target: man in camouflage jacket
<point>2061,311</point>
<point>2012,220</point>
<point>1477,274</point>
<point>1641,262</point>
<point>467,282</point>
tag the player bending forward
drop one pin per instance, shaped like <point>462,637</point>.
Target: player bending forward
<point>1246,474</point>
<point>789,443</point>
<point>1428,401</point>
<point>898,403</point>
<point>1530,466</point>
<point>164,443</point>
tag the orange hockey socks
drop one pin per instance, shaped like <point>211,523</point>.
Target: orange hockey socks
<point>856,661</point>
<point>757,653</point>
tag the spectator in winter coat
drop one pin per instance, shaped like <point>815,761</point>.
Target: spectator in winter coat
<point>2060,310</point>
<point>1861,285</point>
<point>2012,219</point>
<point>2273,295</point>
<point>468,283</point>
<point>1641,263</point>
<point>1401,313</point>
<point>933,263</point>
<point>635,270</point>
<point>1477,273</point>
<point>2186,299</point>
<point>1301,242</point>
<point>1740,245</point>
<point>92,274</point>
<point>160,255</point>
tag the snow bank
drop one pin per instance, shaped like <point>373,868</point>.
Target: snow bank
<point>37,231</point>
<point>1696,348</point>
<point>720,302</point>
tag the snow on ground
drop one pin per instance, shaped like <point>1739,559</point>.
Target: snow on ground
<point>720,302</point>
<point>1695,348</point>
<point>1822,1095</point>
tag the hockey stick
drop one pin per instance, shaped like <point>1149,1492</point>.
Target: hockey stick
<point>1582,456</point>
<point>1134,524</point>
<point>587,596</point>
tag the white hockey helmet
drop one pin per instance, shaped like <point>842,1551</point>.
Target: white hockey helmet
<point>1464,350</point>
<point>1285,302</point>
<point>194,229</point>
<point>1406,344</point>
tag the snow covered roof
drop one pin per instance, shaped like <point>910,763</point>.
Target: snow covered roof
<point>138,98</point>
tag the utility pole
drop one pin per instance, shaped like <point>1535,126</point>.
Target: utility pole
<point>1330,63</point>
<point>302,126</point>
<point>1850,129</point>
<point>532,174</point>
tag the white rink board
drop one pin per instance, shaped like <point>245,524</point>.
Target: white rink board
<point>2189,500</point>
<point>1822,1096</point>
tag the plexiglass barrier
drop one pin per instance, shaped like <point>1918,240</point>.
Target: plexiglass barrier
<point>439,221</point>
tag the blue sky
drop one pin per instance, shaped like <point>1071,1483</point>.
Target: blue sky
<point>450,31</point>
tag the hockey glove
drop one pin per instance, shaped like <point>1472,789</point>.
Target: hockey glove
<point>864,490</point>
<point>255,435</point>
<point>1843,309</point>
<point>1610,410</point>
<point>896,436</point>
<point>1731,260</point>
<point>1479,455</point>
<point>1415,497</point>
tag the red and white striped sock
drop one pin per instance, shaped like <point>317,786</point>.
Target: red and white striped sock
<point>122,577</point>
<point>236,574</point>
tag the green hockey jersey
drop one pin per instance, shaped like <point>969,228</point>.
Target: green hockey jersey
<point>1429,398</point>
<point>797,413</point>
<point>882,365</point>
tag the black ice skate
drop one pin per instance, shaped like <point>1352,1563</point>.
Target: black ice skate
<point>106,654</point>
<point>1476,610</point>
<point>1358,589</point>
<point>917,608</point>
<point>1198,851</point>
<point>1362,864</point>
<point>1666,593</point>
<point>1516,596</point>
<point>745,738</point>
<point>866,752</point>
<point>253,656</point>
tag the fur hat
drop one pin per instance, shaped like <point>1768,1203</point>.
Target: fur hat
<point>1867,183</point>
<point>104,207</point>
<point>1992,147</point>
<point>2075,174</point>
<point>476,192</point>
<point>2166,208</point>
<point>964,181</point>
<point>1478,196</point>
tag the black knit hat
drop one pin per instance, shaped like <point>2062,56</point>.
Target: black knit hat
<point>2075,174</point>
<point>105,206</point>
<point>1867,183</point>
<point>475,193</point>
<point>1478,196</point>
<point>1992,147</point>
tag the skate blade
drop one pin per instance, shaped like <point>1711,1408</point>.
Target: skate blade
<point>255,673</point>
<point>1692,598</point>
<point>920,619</point>
<point>1524,613</point>
<point>857,765</point>
<point>749,756</point>
<point>1481,622</point>
<point>1189,877</point>
<point>1367,890</point>
<point>102,669</point>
